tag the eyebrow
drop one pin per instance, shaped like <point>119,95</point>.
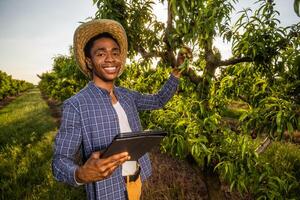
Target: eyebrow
<point>104,49</point>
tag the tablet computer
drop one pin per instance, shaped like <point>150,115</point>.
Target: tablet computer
<point>135,143</point>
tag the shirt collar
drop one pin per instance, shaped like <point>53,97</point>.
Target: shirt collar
<point>97,89</point>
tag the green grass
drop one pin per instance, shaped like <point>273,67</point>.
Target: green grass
<point>283,157</point>
<point>27,132</point>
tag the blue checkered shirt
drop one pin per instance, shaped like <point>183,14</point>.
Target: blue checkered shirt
<point>89,123</point>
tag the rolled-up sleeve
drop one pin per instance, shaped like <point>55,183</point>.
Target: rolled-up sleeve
<point>67,144</point>
<point>158,100</point>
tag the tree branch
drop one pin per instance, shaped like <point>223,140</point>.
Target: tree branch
<point>170,57</point>
<point>147,55</point>
<point>263,146</point>
<point>194,78</point>
<point>233,61</point>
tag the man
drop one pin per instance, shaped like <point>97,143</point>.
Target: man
<point>100,111</point>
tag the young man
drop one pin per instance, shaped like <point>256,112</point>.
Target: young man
<point>100,111</point>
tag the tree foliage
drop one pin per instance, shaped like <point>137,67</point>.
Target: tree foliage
<point>12,87</point>
<point>261,77</point>
<point>64,80</point>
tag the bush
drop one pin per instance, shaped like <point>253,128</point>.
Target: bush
<point>12,87</point>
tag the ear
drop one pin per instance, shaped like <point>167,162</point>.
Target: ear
<point>89,63</point>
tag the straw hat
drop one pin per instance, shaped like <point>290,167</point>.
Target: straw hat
<point>92,28</point>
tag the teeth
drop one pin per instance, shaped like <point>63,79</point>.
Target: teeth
<point>110,69</point>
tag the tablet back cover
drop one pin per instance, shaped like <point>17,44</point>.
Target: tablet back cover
<point>136,144</point>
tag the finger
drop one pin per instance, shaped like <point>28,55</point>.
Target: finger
<point>115,157</point>
<point>109,171</point>
<point>119,155</point>
<point>95,155</point>
<point>180,55</point>
<point>107,166</point>
<point>104,169</point>
<point>104,164</point>
<point>116,164</point>
<point>121,161</point>
<point>111,167</point>
<point>180,62</point>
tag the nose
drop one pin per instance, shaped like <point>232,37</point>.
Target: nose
<point>109,57</point>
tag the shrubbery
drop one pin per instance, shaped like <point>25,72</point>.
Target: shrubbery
<point>12,87</point>
<point>199,130</point>
<point>64,80</point>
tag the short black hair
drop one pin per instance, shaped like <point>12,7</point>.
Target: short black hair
<point>89,44</point>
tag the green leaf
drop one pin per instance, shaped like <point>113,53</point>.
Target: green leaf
<point>242,183</point>
<point>290,127</point>
<point>232,186</point>
<point>95,1</point>
<point>243,116</point>
<point>195,150</point>
<point>185,65</point>
<point>278,121</point>
<point>219,165</point>
<point>297,7</point>
<point>184,7</point>
<point>262,176</point>
<point>243,150</point>
<point>203,139</point>
<point>174,7</point>
<point>208,158</point>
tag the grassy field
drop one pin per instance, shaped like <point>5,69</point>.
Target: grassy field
<point>27,131</point>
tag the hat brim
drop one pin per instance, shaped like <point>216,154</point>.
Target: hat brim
<point>95,27</point>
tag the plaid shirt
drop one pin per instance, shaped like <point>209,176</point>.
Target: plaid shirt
<point>89,123</point>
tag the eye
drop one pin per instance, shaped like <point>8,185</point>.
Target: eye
<point>116,53</point>
<point>100,54</point>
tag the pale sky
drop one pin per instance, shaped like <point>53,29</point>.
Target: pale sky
<point>34,31</point>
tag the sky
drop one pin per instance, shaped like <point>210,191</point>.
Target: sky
<point>34,31</point>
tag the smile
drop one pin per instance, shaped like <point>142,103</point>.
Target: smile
<point>110,70</point>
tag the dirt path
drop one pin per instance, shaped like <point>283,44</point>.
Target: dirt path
<point>173,179</point>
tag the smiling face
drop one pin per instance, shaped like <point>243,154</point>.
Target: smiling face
<point>105,59</point>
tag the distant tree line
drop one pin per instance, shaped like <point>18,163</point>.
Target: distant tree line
<point>12,87</point>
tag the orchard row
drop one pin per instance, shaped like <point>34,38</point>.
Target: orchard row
<point>12,87</point>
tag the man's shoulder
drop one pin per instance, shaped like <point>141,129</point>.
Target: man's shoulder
<point>79,97</point>
<point>125,91</point>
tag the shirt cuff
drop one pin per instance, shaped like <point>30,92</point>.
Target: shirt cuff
<point>173,76</point>
<point>173,80</point>
<point>77,183</point>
